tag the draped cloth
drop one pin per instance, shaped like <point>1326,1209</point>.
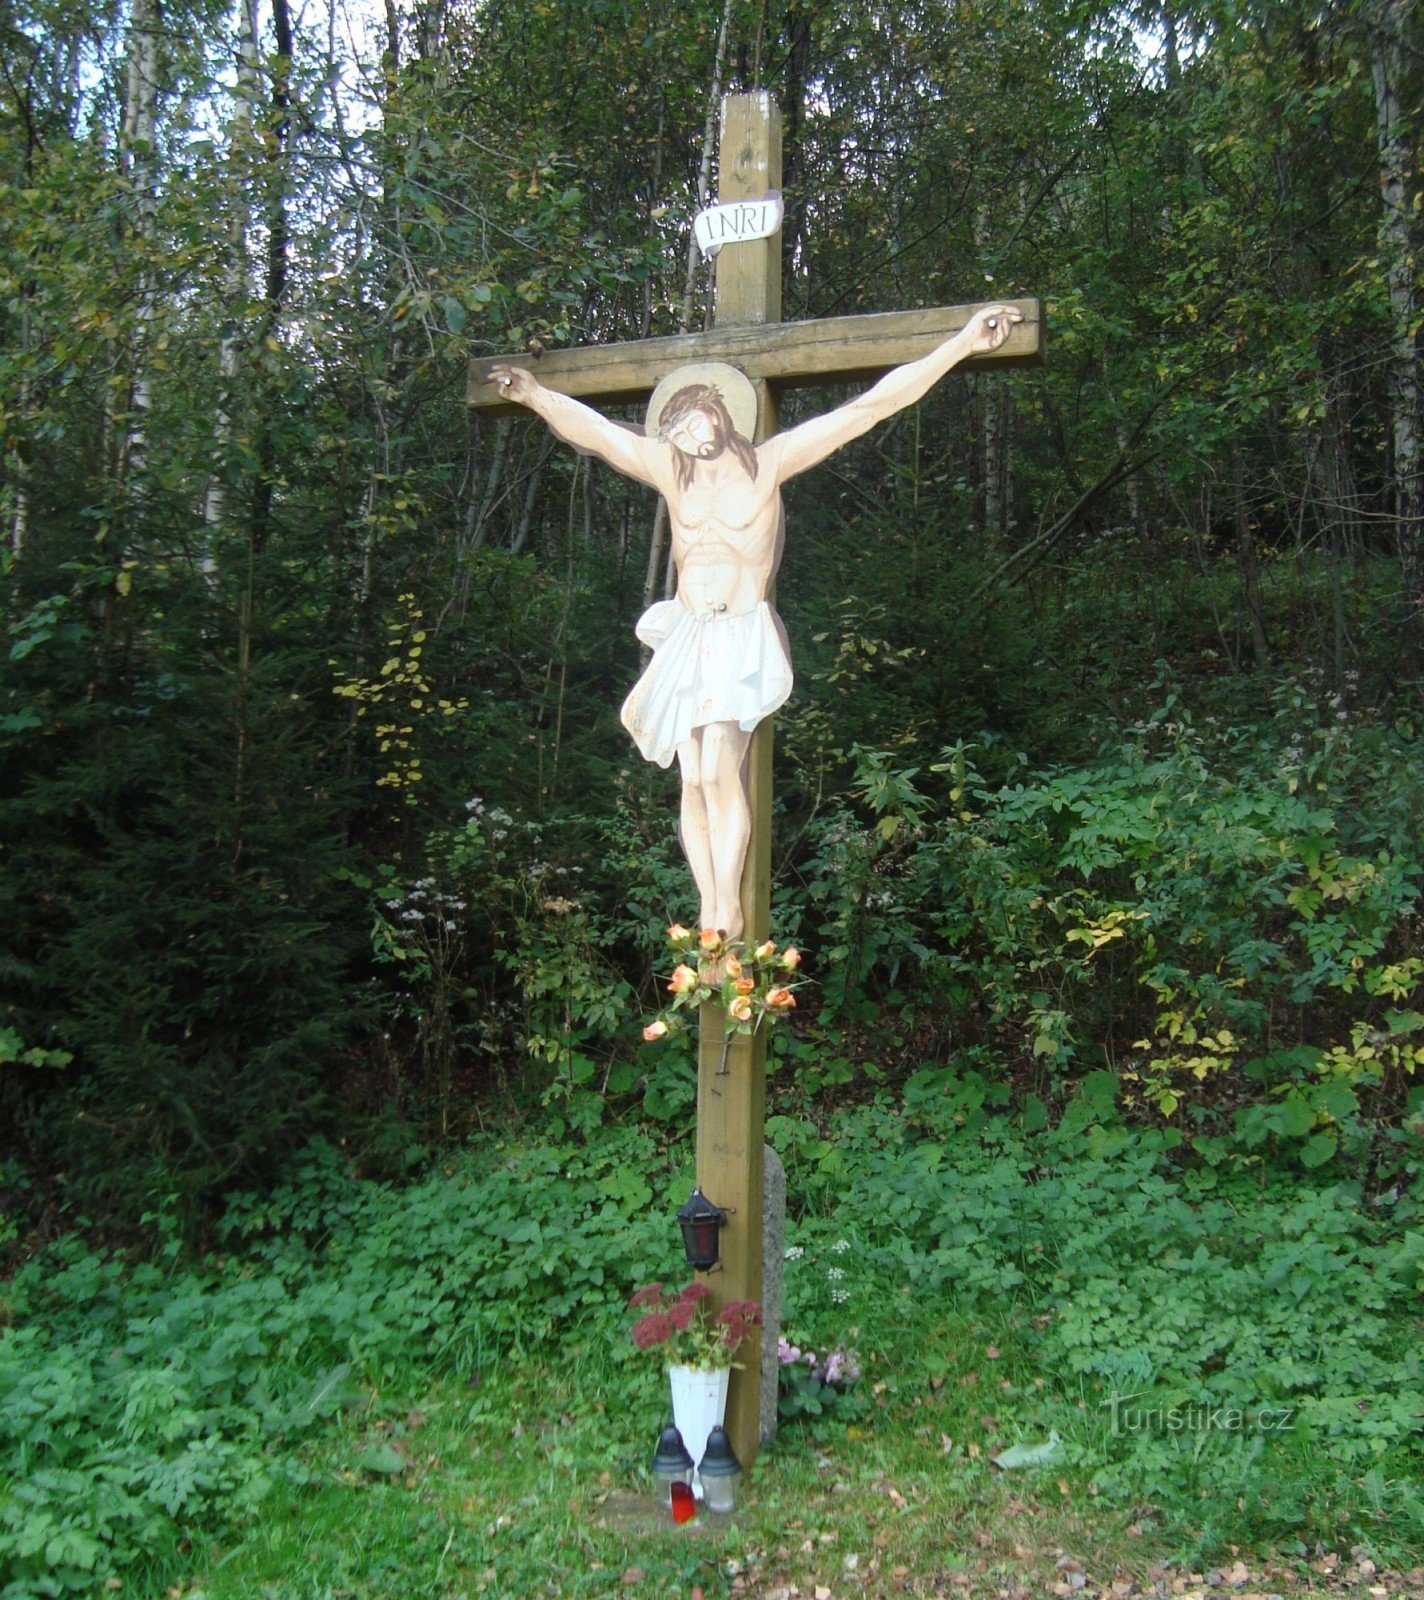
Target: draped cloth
<point>706,667</point>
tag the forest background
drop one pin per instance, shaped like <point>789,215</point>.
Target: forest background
<point>317,817</point>
<point>332,895</point>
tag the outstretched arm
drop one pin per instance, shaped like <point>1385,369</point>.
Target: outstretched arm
<point>803,446</point>
<point>581,426</point>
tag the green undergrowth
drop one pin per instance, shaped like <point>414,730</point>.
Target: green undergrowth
<point>428,1389</point>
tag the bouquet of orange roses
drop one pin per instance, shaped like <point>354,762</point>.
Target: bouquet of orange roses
<point>752,984</point>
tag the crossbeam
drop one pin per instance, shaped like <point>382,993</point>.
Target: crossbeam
<point>789,354</point>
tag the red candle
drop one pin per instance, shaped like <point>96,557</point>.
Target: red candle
<point>684,1506</point>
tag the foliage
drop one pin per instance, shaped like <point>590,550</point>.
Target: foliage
<point>1218,922</point>
<point>141,1400</point>
<point>276,608</point>
<point>191,1396</point>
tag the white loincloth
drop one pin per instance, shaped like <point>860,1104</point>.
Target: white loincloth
<point>706,667</point>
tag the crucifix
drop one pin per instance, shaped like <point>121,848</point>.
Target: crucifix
<point>720,666</point>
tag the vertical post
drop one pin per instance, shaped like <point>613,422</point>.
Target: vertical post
<point>731,1109</point>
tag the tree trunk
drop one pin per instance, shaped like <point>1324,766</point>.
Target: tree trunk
<point>793,111</point>
<point>229,348</point>
<point>1387,55</point>
<point>994,440</point>
<point>136,162</point>
<point>1247,563</point>
<point>278,240</point>
<point>17,468</point>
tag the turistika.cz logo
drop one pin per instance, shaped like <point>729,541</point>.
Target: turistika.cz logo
<point>1128,1417</point>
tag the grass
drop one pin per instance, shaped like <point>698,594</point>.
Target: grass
<point>518,1486</point>
<point>425,1391</point>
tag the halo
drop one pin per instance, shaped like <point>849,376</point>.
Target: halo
<point>730,382</point>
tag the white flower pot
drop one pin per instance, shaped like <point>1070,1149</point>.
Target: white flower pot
<point>699,1404</point>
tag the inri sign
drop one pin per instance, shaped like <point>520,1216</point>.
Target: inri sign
<point>735,222</point>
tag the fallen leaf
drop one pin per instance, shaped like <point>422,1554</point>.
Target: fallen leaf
<point>633,1575</point>
<point>992,1352</point>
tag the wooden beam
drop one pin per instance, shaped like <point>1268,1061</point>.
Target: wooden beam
<point>731,1106</point>
<point>789,354</point>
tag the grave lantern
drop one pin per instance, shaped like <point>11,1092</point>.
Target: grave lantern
<point>720,1472</point>
<point>699,1220</point>
<point>671,1462</point>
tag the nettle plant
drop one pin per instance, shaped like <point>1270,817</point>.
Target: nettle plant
<point>752,985</point>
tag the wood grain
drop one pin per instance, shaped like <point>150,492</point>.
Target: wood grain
<point>788,354</point>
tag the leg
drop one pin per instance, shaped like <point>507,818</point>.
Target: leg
<point>724,744</point>
<point>693,830</point>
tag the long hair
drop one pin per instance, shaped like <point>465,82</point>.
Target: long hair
<point>703,397</point>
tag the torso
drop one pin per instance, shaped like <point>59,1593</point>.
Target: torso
<point>726,533</point>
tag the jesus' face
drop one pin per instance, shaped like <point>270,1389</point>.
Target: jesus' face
<point>697,434</point>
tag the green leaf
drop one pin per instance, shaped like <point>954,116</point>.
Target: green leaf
<point>383,1459</point>
<point>1030,1455</point>
<point>1297,1115</point>
<point>456,316</point>
<point>1318,1149</point>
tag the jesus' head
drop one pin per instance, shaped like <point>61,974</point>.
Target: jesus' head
<point>697,424</point>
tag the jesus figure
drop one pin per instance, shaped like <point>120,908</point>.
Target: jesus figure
<point>720,662</point>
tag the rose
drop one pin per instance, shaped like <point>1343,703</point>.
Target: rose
<point>740,1009</point>
<point>791,958</point>
<point>655,1030</point>
<point>764,952</point>
<point>677,934</point>
<point>780,1000</point>
<point>745,985</point>
<point>710,940</point>
<point>732,967</point>
<point>684,979</point>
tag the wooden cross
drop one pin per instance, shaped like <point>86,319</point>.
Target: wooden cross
<point>749,334</point>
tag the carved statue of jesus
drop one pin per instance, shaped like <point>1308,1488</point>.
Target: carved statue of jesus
<point>720,662</point>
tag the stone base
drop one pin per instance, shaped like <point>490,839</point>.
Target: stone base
<point>773,1254</point>
<point>647,1513</point>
